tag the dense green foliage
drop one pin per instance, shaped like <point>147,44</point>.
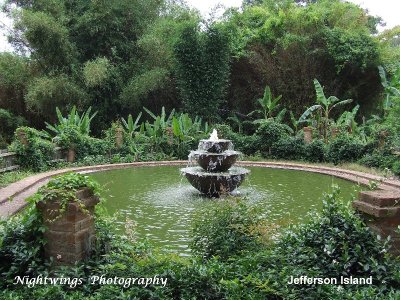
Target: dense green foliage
<point>8,124</point>
<point>335,243</point>
<point>37,154</point>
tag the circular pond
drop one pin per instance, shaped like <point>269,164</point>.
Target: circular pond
<point>162,202</point>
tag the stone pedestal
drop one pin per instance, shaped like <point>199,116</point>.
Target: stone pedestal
<point>308,134</point>
<point>382,139</point>
<point>334,132</point>
<point>119,137</point>
<point>381,211</point>
<point>71,155</point>
<point>70,235</point>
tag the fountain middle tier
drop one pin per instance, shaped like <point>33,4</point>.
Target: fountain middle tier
<point>215,184</point>
<point>217,146</point>
<point>215,162</point>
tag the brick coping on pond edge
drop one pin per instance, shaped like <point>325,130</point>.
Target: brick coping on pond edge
<point>12,197</point>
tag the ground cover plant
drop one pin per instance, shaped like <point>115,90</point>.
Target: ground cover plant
<point>237,254</point>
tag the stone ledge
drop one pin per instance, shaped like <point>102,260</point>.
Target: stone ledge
<point>380,198</point>
<point>378,212</point>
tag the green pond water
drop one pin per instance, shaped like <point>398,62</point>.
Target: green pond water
<point>162,202</point>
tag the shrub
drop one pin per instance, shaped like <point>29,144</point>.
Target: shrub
<point>247,144</point>
<point>289,148</point>
<point>337,242</point>
<point>396,168</point>
<point>225,229</point>
<point>87,145</point>
<point>377,159</point>
<point>21,246</point>
<point>224,131</point>
<point>269,133</point>
<point>333,244</point>
<point>37,154</point>
<point>315,151</point>
<point>344,148</point>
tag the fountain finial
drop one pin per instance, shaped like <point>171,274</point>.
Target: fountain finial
<point>214,136</point>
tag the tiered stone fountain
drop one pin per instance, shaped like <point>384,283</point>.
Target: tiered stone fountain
<point>215,175</point>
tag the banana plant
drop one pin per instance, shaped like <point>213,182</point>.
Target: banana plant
<point>82,123</point>
<point>235,119</point>
<point>130,126</point>
<point>162,120</point>
<point>347,119</point>
<point>323,108</point>
<point>295,122</point>
<point>183,127</point>
<point>268,105</point>
<point>391,88</point>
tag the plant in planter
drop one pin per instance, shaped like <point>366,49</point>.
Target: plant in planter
<point>71,130</point>
<point>69,139</point>
<point>323,108</point>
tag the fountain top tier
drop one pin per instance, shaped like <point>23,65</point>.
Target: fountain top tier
<point>214,144</point>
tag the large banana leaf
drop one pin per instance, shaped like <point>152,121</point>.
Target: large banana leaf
<point>308,112</point>
<point>320,93</point>
<point>343,102</point>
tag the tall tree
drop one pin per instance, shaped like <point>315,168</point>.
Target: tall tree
<point>202,67</point>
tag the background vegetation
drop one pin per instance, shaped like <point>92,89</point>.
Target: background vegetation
<point>118,56</point>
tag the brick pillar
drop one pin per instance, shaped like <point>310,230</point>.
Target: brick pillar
<point>70,235</point>
<point>381,212</point>
<point>308,134</point>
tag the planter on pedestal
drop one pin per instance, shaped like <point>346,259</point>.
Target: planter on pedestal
<point>70,234</point>
<point>334,132</point>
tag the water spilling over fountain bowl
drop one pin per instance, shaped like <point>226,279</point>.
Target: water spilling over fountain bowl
<point>215,146</point>
<point>215,184</point>
<point>215,162</point>
<point>215,176</point>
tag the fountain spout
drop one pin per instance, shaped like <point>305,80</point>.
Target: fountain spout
<point>214,136</point>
